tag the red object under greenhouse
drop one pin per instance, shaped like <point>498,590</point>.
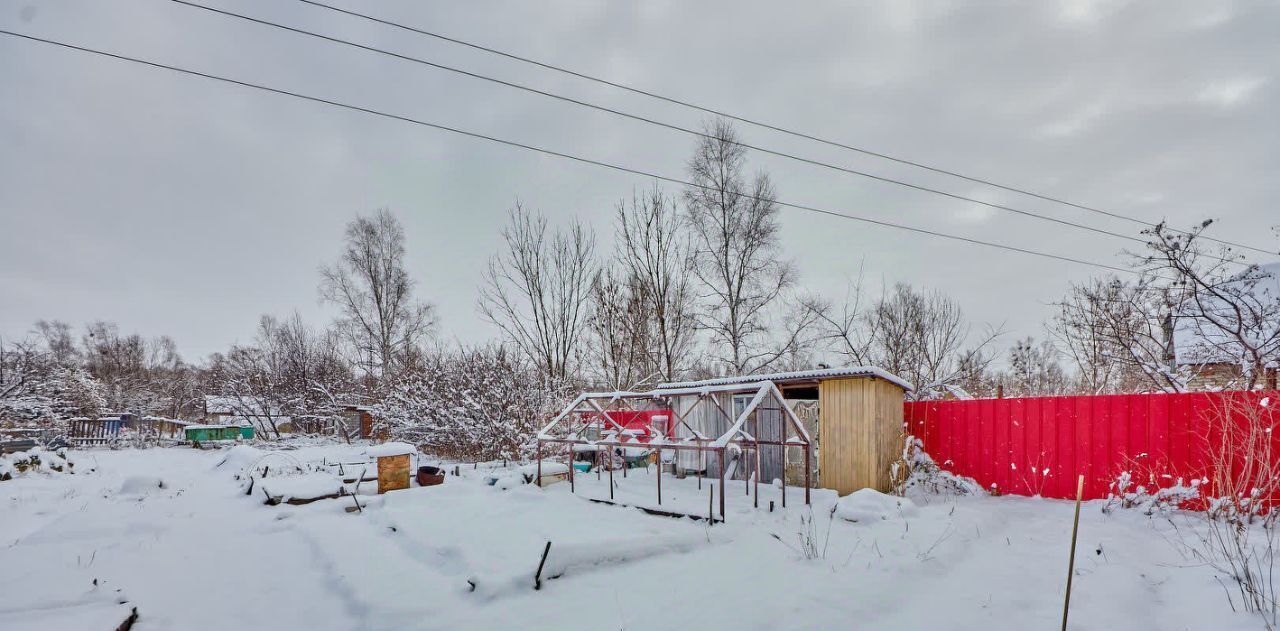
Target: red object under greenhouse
<point>638,424</point>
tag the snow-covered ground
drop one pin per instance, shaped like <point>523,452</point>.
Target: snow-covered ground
<point>172,532</point>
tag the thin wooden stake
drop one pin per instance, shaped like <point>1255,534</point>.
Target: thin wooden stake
<point>1071,563</point>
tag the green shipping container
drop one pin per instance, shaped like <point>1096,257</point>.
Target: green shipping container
<point>203,433</point>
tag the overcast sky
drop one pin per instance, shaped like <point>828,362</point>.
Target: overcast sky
<point>175,205</point>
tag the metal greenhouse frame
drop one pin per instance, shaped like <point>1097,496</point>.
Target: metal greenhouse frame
<point>567,428</point>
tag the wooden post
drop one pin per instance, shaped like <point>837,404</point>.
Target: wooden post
<point>539,464</point>
<point>1071,562</point>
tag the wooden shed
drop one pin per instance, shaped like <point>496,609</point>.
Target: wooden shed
<point>854,415</point>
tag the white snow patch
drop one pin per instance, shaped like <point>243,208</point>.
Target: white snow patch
<point>386,450</point>
<point>866,505</point>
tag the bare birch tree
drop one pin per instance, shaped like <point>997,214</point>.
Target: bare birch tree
<point>655,250</point>
<point>380,321</point>
<point>537,291</point>
<point>739,266</point>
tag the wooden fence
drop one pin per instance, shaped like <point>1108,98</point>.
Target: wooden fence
<point>1037,446</point>
<point>84,431</point>
<point>102,431</point>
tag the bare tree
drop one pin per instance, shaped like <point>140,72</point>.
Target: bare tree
<point>1117,335</point>
<point>1034,370</point>
<point>655,250</point>
<point>846,332</point>
<point>59,341</point>
<point>735,226</point>
<point>537,291</point>
<point>922,336</point>
<point>381,322</point>
<point>1192,305</point>
<point>620,353</point>
<point>291,372</point>
<point>1236,533</point>
<point>1224,310</point>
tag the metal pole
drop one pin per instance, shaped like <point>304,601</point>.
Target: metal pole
<point>757,482</point>
<point>807,472</point>
<point>722,484</point>
<point>572,472</point>
<point>701,474</point>
<point>610,460</point>
<point>659,476</point>
<point>539,464</point>
<point>783,447</point>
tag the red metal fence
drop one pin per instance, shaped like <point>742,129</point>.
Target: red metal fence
<point>1037,446</point>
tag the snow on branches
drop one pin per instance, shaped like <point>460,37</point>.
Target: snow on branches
<point>474,403</point>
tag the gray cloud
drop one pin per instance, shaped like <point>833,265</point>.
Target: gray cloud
<point>174,205</point>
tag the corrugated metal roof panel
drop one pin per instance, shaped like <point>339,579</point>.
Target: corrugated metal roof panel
<point>800,375</point>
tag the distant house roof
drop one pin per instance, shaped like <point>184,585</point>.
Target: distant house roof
<point>232,406</point>
<point>214,404</point>
<point>1197,342</point>
<point>782,378</point>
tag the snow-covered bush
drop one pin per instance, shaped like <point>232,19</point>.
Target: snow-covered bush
<point>1237,532</point>
<point>35,461</point>
<point>50,396</point>
<point>1152,497</point>
<point>916,472</point>
<point>474,404</point>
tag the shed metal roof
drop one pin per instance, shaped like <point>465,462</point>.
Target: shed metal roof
<point>782,378</point>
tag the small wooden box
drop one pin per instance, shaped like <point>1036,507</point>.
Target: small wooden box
<point>393,473</point>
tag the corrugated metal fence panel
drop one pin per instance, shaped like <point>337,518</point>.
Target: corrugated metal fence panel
<point>1037,446</point>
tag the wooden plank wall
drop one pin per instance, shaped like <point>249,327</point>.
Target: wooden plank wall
<point>861,426</point>
<point>766,426</point>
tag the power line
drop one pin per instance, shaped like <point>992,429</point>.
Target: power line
<point>764,125</point>
<point>520,145</point>
<point>694,132</point>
